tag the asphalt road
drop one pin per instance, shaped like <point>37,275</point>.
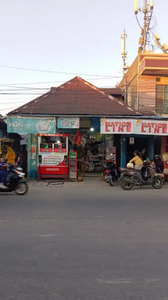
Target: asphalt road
<point>84,241</point>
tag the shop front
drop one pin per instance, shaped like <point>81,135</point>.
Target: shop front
<point>135,134</point>
<point>85,139</point>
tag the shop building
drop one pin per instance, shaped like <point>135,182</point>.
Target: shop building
<point>77,126</point>
<point>145,84</point>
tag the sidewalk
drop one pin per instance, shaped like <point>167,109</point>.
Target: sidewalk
<point>97,182</point>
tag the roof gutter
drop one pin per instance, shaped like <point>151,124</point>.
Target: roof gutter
<point>93,116</point>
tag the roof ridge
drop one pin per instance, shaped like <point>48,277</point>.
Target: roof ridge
<point>77,86</point>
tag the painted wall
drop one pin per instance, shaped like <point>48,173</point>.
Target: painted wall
<point>32,154</point>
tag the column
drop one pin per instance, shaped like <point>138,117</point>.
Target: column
<point>123,150</point>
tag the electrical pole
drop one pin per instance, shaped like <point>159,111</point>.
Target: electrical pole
<point>123,52</point>
<point>147,10</point>
<point>144,27</point>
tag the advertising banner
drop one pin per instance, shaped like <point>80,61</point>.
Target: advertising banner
<point>31,125</point>
<point>66,123</point>
<point>116,126</point>
<point>134,126</point>
<point>52,159</point>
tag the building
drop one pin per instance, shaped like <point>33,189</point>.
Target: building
<point>145,84</point>
<point>79,116</point>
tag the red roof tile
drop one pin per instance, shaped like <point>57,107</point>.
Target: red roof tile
<point>112,91</point>
<point>75,97</point>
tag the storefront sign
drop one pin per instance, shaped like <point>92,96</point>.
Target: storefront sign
<point>133,126</point>
<point>151,127</point>
<point>68,123</point>
<point>31,125</point>
<point>52,160</point>
<point>110,126</point>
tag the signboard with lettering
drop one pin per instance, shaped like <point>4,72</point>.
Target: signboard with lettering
<point>68,123</point>
<point>52,160</point>
<point>150,127</point>
<point>134,126</point>
<point>31,125</point>
<point>116,126</point>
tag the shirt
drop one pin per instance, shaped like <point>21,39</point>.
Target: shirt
<point>10,158</point>
<point>137,160</point>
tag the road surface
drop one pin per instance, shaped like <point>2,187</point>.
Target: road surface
<point>84,241</point>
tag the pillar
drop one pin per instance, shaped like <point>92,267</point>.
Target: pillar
<point>32,155</point>
<point>123,151</point>
<point>150,152</point>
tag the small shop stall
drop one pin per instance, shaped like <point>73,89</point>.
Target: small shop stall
<point>4,144</point>
<point>93,150</point>
<point>52,156</point>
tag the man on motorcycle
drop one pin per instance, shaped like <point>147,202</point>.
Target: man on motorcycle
<point>3,173</point>
<point>158,164</point>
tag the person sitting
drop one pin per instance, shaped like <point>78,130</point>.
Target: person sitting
<point>19,162</point>
<point>138,162</point>
<point>3,173</point>
<point>158,164</point>
<point>10,156</point>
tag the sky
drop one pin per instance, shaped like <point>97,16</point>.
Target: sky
<point>65,39</point>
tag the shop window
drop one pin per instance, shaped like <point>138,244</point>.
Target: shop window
<point>162,99</point>
<point>85,122</point>
<point>166,99</point>
<point>53,144</point>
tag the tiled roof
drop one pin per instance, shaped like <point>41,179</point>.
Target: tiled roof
<point>75,97</point>
<point>112,91</point>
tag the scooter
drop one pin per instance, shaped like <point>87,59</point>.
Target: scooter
<point>112,173</point>
<point>15,181</point>
<point>146,176</point>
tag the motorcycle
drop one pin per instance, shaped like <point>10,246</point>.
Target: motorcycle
<point>15,181</point>
<point>112,173</point>
<point>145,176</point>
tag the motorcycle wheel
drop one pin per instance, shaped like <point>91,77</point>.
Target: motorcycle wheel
<point>111,181</point>
<point>126,185</point>
<point>21,188</point>
<point>157,182</point>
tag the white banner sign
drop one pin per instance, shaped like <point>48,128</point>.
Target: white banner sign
<point>52,159</point>
<point>133,126</point>
<point>68,123</point>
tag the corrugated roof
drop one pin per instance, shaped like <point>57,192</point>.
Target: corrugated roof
<point>75,97</point>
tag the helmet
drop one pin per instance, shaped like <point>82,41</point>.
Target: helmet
<point>157,157</point>
<point>130,165</point>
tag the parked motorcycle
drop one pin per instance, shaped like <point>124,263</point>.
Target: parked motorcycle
<point>112,172</point>
<point>15,181</point>
<point>145,176</point>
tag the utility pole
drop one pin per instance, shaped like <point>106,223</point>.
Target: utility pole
<point>147,11</point>
<point>144,27</point>
<point>123,51</point>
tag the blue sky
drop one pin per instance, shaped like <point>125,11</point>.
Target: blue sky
<point>67,36</point>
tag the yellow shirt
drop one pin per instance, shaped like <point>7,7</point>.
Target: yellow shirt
<point>10,158</point>
<point>137,160</point>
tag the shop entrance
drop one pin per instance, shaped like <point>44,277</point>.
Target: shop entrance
<point>92,151</point>
<point>143,144</point>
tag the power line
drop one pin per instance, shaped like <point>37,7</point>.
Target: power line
<point>59,81</point>
<point>58,72</point>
